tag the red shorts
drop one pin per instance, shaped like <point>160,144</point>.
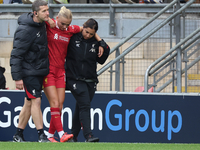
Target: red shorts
<point>56,77</point>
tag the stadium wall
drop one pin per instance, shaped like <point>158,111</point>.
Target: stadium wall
<point>116,117</point>
<point>128,18</point>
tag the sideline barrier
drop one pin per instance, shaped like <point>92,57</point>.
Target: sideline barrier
<point>117,117</point>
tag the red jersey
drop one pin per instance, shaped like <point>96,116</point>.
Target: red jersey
<point>58,41</point>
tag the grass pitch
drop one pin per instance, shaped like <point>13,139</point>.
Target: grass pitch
<point>95,146</point>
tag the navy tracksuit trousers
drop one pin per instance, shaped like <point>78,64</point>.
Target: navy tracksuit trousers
<point>83,92</point>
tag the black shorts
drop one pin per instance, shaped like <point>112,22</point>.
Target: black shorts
<point>33,86</point>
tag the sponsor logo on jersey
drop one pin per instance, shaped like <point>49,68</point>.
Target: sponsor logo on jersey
<point>62,38</point>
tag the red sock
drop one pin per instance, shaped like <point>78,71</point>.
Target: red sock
<point>56,119</point>
<point>52,128</point>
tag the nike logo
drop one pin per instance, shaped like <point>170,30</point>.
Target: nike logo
<point>38,34</point>
<point>40,141</point>
<point>17,140</point>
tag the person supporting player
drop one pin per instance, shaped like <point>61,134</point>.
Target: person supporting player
<point>54,83</point>
<point>29,64</point>
<point>81,64</point>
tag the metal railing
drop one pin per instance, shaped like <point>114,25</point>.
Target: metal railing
<point>160,63</point>
<point>142,39</point>
<point>168,61</point>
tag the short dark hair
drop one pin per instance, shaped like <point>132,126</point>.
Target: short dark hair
<point>91,23</point>
<point>36,5</point>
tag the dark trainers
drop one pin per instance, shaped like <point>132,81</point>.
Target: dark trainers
<point>18,138</point>
<point>92,139</point>
<point>43,138</point>
<point>73,140</point>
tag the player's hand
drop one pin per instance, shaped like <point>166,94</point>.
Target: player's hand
<point>51,23</point>
<point>101,50</point>
<point>19,84</point>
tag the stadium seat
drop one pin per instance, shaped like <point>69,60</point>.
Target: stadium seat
<point>141,89</point>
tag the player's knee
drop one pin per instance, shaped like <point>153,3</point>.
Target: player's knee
<point>55,104</point>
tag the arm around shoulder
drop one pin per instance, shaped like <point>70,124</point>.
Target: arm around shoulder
<point>106,52</point>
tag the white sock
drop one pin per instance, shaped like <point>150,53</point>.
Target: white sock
<point>61,133</point>
<point>49,135</point>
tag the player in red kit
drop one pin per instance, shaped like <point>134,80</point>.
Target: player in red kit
<point>54,83</point>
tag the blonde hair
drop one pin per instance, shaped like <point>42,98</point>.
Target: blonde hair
<point>64,12</point>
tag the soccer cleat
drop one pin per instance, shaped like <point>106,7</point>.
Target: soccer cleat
<point>51,139</point>
<point>66,137</point>
<point>43,138</point>
<point>18,138</point>
<point>92,139</point>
